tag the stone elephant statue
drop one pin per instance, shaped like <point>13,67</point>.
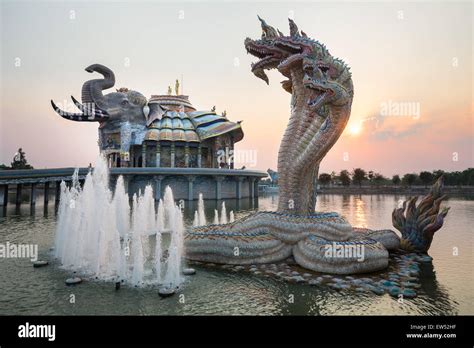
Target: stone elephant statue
<point>111,109</point>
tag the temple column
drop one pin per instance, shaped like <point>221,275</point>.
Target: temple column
<point>172,155</point>
<point>219,180</point>
<point>46,193</point>
<point>4,195</point>
<point>252,188</point>
<point>199,158</point>
<point>144,154</point>
<point>186,155</point>
<point>231,164</point>
<point>33,194</point>
<point>158,180</point>
<point>191,179</point>
<point>158,154</point>
<point>18,194</point>
<point>58,192</point>
<point>238,188</point>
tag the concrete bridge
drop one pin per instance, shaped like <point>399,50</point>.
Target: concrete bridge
<point>186,183</point>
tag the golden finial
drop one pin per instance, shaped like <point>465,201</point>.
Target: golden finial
<point>176,87</point>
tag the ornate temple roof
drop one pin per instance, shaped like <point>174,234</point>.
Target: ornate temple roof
<point>175,119</point>
<point>173,101</point>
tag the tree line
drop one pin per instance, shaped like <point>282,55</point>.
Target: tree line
<point>360,177</point>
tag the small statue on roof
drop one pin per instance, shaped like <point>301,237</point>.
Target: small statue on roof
<point>170,91</point>
<point>176,87</point>
<point>213,109</point>
<point>224,114</point>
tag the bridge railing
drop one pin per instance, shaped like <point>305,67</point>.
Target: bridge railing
<point>45,178</point>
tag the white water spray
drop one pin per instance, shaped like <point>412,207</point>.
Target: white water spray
<point>223,214</point>
<point>200,211</point>
<point>99,235</point>
<point>200,218</point>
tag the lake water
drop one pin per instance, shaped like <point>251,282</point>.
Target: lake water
<point>447,285</point>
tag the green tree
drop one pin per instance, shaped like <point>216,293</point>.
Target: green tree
<point>325,179</point>
<point>358,175</point>
<point>467,177</point>
<point>437,174</point>
<point>379,179</point>
<point>371,175</point>
<point>409,179</point>
<point>396,179</point>
<point>345,178</point>
<point>426,178</point>
<point>19,161</point>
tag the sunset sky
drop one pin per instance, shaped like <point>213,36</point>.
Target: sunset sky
<point>417,55</point>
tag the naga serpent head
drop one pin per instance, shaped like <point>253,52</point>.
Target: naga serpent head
<point>327,79</point>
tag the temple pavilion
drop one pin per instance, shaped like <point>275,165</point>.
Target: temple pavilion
<point>179,137</point>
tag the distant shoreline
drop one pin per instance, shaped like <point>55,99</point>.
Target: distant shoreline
<point>393,190</point>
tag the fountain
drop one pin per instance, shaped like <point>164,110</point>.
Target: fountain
<point>199,214</point>
<point>223,214</point>
<point>100,235</point>
<point>200,217</point>
<point>200,211</point>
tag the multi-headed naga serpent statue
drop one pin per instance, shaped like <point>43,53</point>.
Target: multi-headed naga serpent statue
<point>322,92</point>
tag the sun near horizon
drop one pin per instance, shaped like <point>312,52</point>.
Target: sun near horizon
<point>411,65</point>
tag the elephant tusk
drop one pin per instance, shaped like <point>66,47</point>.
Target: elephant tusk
<point>146,111</point>
<point>90,109</point>
<point>81,117</point>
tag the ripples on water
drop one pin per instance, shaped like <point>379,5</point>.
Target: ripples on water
<point>446,285</point>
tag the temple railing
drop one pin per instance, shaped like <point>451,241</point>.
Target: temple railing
<point>44,177</point>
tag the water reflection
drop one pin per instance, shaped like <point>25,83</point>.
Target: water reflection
<point>359,206</point>
<point>446,283</point>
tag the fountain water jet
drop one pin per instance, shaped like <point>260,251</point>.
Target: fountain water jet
<point>99,235</point>
<point>201,214</point>
<point>223,214</point>
<point>200,218</point>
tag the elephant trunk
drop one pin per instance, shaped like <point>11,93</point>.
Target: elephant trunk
<point>92,89</point>
<point>93,107</point>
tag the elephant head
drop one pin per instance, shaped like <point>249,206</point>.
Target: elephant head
<point>109,110</point>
